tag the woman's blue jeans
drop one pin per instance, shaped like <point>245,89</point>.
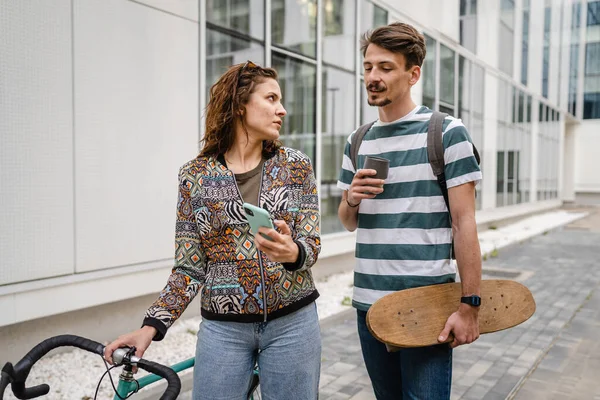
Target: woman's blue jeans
<point>414,373</point>
<point>287,349</point>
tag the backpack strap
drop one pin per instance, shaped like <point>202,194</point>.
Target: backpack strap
<point>435,144</point>
<point>356,141</point>
<point>435,153</point>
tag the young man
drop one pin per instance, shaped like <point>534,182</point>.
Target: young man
<point>404,227</point>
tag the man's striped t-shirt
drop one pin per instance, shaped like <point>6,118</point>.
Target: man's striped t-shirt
<point>404,234</point>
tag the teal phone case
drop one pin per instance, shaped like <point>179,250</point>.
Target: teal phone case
<point>258,217</point>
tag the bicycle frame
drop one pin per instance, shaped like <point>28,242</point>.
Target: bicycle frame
<point>127,384</point>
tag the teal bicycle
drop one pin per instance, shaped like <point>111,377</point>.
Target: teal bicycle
<point>16,375</point>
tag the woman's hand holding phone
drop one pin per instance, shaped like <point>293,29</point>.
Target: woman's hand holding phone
<point>282,247</point>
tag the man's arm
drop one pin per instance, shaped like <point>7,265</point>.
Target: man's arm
<point>348,215</point>
<point>464,323</point>
<point>466,242</point>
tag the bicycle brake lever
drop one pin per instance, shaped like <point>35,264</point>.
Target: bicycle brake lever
<point>124,355</point>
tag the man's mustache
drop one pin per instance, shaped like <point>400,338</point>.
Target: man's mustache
<point>378,87</point>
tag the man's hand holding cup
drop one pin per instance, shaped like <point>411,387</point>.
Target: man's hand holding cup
<point>368,182</point>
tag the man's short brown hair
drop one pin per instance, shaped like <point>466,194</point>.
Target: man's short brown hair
<point>398,37</point>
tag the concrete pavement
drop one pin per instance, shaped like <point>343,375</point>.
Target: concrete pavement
<point>555,354</point>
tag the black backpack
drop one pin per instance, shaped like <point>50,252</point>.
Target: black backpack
<point>435,151</point>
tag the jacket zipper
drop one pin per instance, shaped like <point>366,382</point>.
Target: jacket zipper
<point>210,289</point>
<point>262,275</point>
<point>262,272</point>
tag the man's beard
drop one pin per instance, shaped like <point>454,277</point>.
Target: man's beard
<point>380,102</point>
<point>379,88</point>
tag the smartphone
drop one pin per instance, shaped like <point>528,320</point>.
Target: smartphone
<point>258,217</point>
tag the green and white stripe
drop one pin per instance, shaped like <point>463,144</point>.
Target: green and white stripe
<point>404,234</point>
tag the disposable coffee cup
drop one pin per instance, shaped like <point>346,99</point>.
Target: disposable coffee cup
<point>379,164</point>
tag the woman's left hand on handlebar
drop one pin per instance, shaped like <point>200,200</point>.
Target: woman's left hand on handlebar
<point>282,248</point>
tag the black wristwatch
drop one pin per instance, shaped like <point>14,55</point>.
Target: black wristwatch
<point>473,300</point>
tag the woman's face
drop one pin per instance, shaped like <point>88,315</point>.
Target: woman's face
<point>264,111</point>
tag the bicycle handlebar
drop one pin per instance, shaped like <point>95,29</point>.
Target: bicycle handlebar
<point>17,375</point>
<point>173,381</point>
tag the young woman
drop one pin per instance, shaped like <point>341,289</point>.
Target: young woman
<point>258,295</point>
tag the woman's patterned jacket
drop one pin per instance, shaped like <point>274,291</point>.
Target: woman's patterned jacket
<point>215,250</point>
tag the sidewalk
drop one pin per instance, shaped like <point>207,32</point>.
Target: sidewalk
<point>555,353</point>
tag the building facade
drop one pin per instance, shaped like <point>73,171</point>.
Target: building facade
<point>101,101</point>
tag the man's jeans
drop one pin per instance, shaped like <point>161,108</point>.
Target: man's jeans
<point>287,349</point>
<point>414,373</point>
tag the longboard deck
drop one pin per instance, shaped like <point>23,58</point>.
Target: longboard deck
<point>415,317</point>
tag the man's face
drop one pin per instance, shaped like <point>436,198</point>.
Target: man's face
<point>386,77</point>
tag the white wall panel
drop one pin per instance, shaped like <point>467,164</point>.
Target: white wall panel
<point>488,31</point>
<point>184,8</point>
<point>36,140</point>
<point>587,153</point>
<point>441,16</point>
<point>490,139</point>
<point>536,46</point>
<point>136,122</point>
<point>556,32</point>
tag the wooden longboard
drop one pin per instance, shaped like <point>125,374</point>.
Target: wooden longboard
<point>416,317</point>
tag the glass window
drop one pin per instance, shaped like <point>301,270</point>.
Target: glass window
<point>501,143</point>
<point>294,25</point>
<point>593,14</point>
<point>380,16</point>
<point>338,104</point>
<point>574,57</point>
<point>470,90</point>
<point>477,88</point>
<point>524,181</point>
<point>525,44</point>
<point>591,96</point>
<point>464,84</point>
<point>506,36</point>
<point>428,73</point>
<point>512,171</point>
<point>244,16</point>
<point>546,57</point>
<point>521,108</point>
<point>573,75</point>
<point>339,41</point>
<point>500,183</point>
<point>370,17</point>
<point>298,82</point>
<point>468,24</point>
<point>591,103</point>
<point>507,13</point>
<point>446,76</point>
<point>592,59</point>
<point>224,50</point>
<point>545,158</point>
<point>476,106</point>
<point>511,178</point>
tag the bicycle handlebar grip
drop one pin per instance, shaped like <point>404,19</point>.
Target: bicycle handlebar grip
<point>23,367</point>
<point>4,382</point>
<point>173,382</point>
<point>21,392</point>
